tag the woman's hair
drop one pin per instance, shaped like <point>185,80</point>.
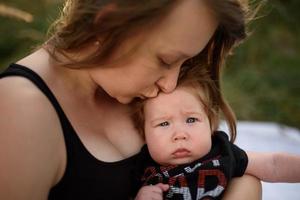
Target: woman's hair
<point>200,84</point>
<point>79,25</point>
<point>233,16</point>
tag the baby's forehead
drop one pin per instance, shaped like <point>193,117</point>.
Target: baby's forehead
<point>181,96</point>
<point>178,92</point>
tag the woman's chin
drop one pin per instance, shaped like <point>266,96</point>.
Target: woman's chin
<point>124,100</point>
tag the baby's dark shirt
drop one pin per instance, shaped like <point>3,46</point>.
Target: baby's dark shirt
<point>205,178</point>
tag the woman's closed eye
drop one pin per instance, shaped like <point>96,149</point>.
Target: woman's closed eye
<point>164,63</point>
<point>190,120</point>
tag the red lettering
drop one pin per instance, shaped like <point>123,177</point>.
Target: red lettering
<point>211,172</point>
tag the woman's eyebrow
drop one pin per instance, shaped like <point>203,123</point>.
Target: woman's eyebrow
<point>176,55</point>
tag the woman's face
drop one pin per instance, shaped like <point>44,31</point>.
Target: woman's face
<point>150,61</point>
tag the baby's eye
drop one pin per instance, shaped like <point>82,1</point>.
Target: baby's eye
<point>163,124</point>
<point>191,120</point>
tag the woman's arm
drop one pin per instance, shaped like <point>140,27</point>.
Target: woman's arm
<point>274,167</point>
<point>246,187</point>
<point>30,137</point>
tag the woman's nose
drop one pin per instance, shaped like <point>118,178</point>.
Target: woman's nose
<point>169,81</point>
<point>153,92</point>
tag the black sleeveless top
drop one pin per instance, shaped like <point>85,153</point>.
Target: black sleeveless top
<point>85,176</point>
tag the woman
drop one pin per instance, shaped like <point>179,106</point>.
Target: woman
<point>66,131</point>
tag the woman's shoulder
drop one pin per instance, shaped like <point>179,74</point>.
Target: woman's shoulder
<point>30,134</point>
<point>25,109</point>
<point>20,96</point>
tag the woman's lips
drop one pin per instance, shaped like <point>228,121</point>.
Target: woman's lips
<point>181,153</point>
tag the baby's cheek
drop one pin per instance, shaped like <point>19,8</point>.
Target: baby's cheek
<point>203,149</point>
<point>157,153</point>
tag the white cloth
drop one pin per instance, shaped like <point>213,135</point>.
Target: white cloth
<point>270,137</point>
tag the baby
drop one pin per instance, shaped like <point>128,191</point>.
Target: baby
<point>187,158</point>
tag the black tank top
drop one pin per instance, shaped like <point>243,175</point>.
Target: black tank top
<point>85,176</point>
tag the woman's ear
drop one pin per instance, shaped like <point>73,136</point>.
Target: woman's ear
<point>104,12</point>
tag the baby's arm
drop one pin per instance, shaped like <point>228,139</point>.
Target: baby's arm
<point>274,167</point>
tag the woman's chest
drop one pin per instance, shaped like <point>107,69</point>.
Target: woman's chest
<point>108,134</point>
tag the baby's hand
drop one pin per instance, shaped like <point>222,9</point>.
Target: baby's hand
<point>152,192</point>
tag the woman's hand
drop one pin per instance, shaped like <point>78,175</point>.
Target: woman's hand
<point>246,187</point>
<point>152,192</point>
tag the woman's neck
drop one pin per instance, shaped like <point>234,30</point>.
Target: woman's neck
<point>67,80</point>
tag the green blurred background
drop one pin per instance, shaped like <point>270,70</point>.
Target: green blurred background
<point>261,80</point>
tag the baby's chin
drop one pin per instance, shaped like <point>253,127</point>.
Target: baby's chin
<point>178,161</point>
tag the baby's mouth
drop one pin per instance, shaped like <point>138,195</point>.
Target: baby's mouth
<point>181,153</point>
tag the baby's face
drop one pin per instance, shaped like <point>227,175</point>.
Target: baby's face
<point>177,129</point>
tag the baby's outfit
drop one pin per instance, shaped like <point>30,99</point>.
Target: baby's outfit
<point>203,179</point>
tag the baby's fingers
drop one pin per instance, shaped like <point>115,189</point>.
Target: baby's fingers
<point>151,192</point>
<point>163,187</point>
